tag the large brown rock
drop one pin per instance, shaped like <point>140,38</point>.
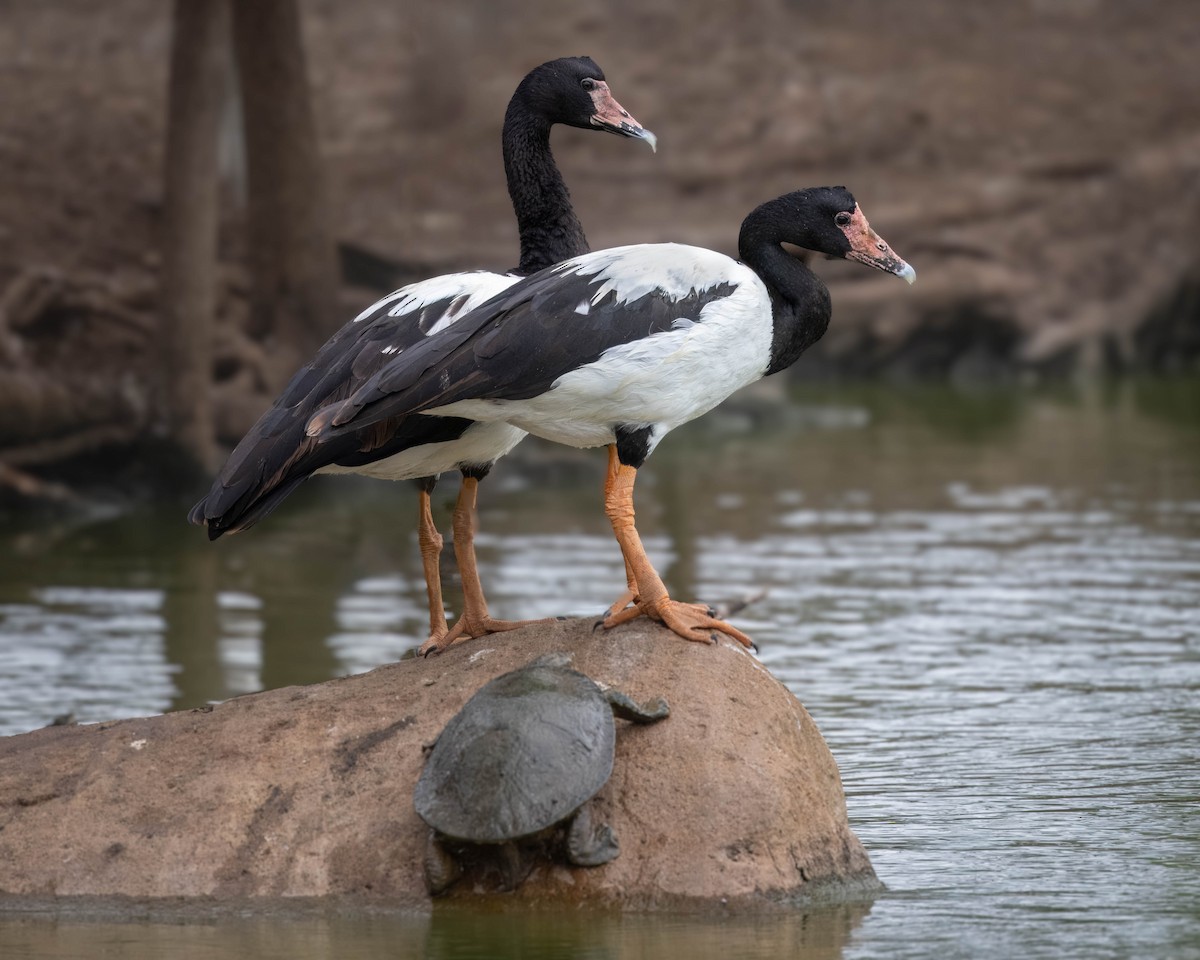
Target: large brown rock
<point>307,791</point>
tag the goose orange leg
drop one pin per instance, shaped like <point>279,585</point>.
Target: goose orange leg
<point>475,620</point>
<point>430,543</point>
<point>691,621</point>
<point>630,594</point>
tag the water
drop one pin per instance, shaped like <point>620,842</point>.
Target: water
<point>988,602</point>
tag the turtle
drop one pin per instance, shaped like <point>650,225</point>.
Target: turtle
<point>518,763</point>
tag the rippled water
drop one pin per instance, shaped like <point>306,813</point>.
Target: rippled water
<point>987,602</point>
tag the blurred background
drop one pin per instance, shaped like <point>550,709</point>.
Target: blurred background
<point>1037,161</point>
<point>975,504</point>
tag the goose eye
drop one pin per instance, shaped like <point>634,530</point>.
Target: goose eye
<point>588,83</point>
<point>842,219</point>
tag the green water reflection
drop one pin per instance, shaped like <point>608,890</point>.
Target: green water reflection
<point>443,935</point>
<point>987,600</point>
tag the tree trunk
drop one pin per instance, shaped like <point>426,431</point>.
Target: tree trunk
<point>291,251</point>
<point>200,37</point>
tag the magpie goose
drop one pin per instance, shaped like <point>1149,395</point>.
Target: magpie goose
<point>620,346</point>
<point>276,455</point>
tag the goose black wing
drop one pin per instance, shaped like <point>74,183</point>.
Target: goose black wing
<point>518,344</point>
<point>275,456</point>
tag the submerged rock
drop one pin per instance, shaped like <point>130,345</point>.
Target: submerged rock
<point>308,791</point>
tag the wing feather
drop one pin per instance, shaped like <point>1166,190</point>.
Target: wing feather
<point>276,455</point>
<point>519,343</point>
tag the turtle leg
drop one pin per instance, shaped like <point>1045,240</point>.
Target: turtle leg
<point>441,868</point>
<point>588,846</point>
<point>511,866</point>
<point>475,620</point>
<point>627,708</point>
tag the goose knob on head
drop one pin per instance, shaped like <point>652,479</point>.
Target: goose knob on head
<point>620,346</point>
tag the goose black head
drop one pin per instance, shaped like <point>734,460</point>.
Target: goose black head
<point>573,91</point>
<point>826,220</point>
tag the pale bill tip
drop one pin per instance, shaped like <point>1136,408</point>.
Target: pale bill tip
<point>650,138</point>
<point>907,273</point>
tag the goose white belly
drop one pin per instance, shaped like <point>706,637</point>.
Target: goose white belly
<point>481,443</point>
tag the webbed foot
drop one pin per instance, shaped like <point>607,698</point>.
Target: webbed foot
<point>692,621</point>
<point>472,628</point>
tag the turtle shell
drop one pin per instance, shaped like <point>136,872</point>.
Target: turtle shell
<point>526,751</point>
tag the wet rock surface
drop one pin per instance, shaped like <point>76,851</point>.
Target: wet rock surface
<point>307,791</point>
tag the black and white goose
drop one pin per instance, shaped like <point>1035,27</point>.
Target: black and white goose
<point>620,346</point>
<point>276,456</point>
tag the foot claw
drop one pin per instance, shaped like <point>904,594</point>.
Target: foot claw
<point>430,647</point>
<point>438,644</point>
<point>434,644</point>
<point>692,621</point>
